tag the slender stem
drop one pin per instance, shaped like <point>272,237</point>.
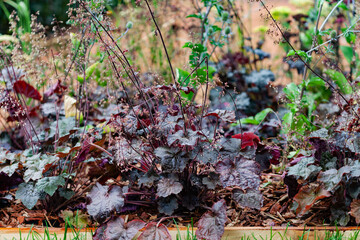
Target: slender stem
<point>162,41</point>
<point>328,16</point>
<point>169,61</point>
<point>313,45</point>
<point>206,89</point>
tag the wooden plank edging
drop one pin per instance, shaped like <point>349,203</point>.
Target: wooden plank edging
<point>231,233</point>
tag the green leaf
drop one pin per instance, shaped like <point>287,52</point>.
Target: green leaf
<point>200,75</point>
<point>181,75</point>
<point>28,194</point>
<point>340,81</point>
<point>349,36</point>
<point>88,72</point>
<point>194,16</point>
<point>187,96</point>
<point>292,92</point>
<point>315,82</point>
<point>262,115</point>
<point>300,53</point>
<point>216,28</point>
<point>248,120</point>
<point>188,45</point>
<point>50,184</point>
<point>259,117</point>
<point>348,53</point>
<point>287,121</point>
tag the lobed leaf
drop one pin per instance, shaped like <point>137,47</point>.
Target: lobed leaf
<point>224,115</point>
<point>332,177</point>
<point>211,225</point>
<point>168,186</point>
<point>28,194</point>
<point>304,169</point>
<point>50,184</point>
<point>117,229</point>
<point>154,231</point>
<point>241,173</point>
<point>251,198</point>
<point>172,160</point>
<point>104,200</point>
<point>167,205</point>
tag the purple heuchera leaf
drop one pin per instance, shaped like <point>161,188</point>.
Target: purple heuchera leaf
<point>332,177</point>
<point>167,205</point>
<point>168,186</point>
<point>304,169</point>
<point>118,230</point>
<point>224,115</point>
<point>251,198</point>
<point>241,172</point>
<point>172,160</point>
<point>104,200</point>
<point>190,139</point>
<point>212,223</point>
<point>153,231</point>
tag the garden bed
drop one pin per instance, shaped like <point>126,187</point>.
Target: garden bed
<point>231,233</point>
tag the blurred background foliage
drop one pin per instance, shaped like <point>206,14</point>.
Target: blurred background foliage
<point>48,10</point>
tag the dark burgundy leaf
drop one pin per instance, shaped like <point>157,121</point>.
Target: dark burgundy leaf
<point>57,88</point>
<point>211,180</point>
<point>183,139</point>
<point>251,198</point>
<point>247,139</point>
<point>212,223</point>
<point>307,196</point>
<point>224,115</point>
<point>148,178</point>
<point>208,156</point>
<point>241,172</point>
<point>117,229</point>
<point>154,231</point>
<point>27,90</point>
<point>6,182</point>
<point>168,186</point>
<point>275,152</point>
<point>104,200</point>
<point>172,160</point>
<point>292,185</point>
<point>167,205</point>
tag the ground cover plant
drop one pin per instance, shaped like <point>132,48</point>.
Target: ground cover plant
<point>86,129</point>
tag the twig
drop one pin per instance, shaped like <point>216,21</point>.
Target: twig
<point>328,16</point>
